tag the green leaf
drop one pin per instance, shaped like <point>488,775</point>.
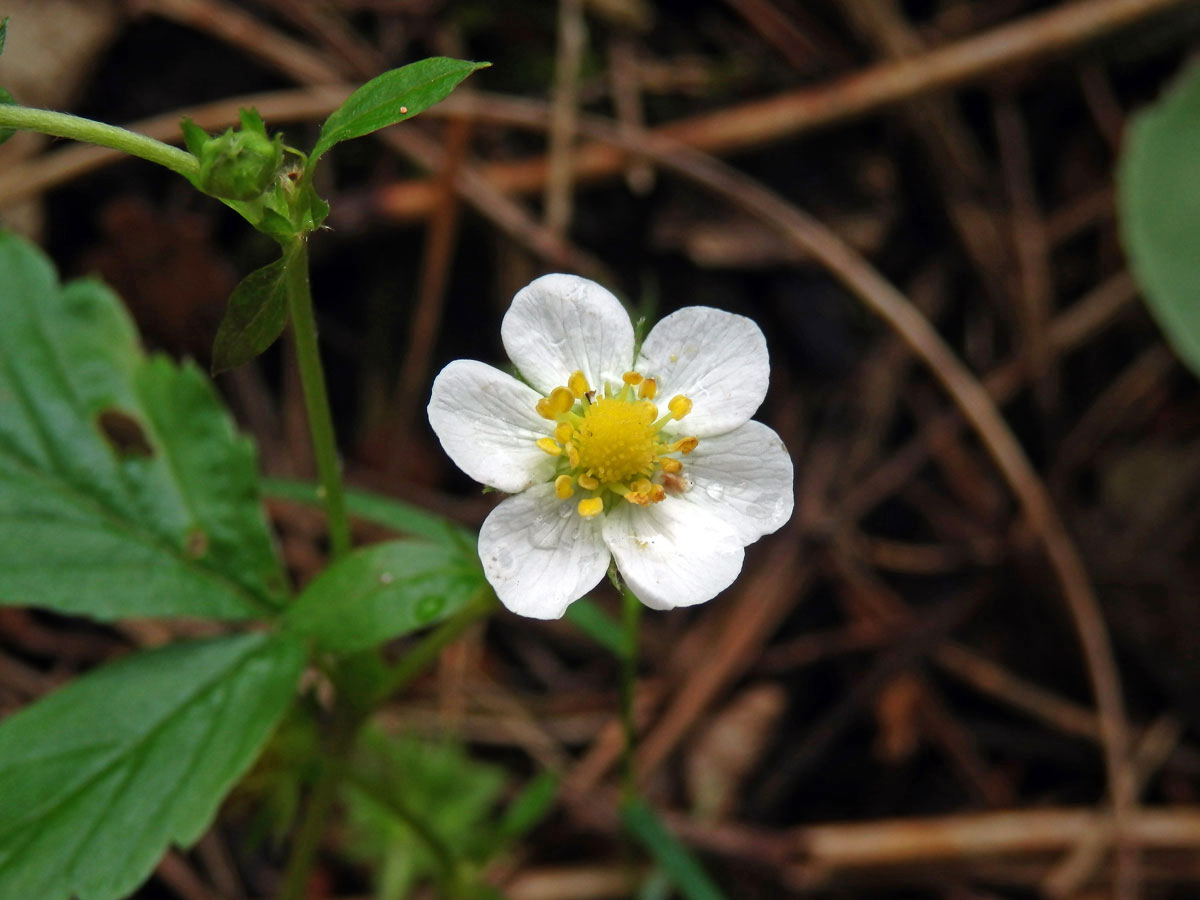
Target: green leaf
<point>529,807</point>
<point>593,621</point>
<point>101,775</point>
<point>434,785</point>
<point>124,488</point>
<point>385,511</point>
<point>3,33</point>
<point>677,861</point>
<point>1158,184</point>
<point>392,97</point>
<point>255,317</point>
<point>384,591</point>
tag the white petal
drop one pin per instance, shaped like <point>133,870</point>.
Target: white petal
<point>560,323</point>
<point>744,478</point>
<point>487,424</point>
<point>539,554</point>
<point>715,358</point>
<point>672,553</point>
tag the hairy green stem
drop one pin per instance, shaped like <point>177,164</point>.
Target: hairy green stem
<point>320,802</point>
<point>316,398</point>
<point>631,617</point>
<point>422,655</point>
<point>450,876</point>
<point>88,131</point>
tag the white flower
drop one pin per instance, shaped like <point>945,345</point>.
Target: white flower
<point>597,468</point>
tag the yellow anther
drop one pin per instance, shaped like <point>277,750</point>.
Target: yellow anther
<point>679,406</point>
<point>561,399</point>
<point>562,487</point>
<point>657,492</point>
<point>638,498</point>
<point>649,411</point>
<point>572,455</point>
<point>642,486</point>
<point>685,445</point>
<point>563,432</point>
<point>578,384</point>
<point>632,378</point>
<point>544,410</point>
<point>592,506</point>
<point>671,466</point>
<point>549,445</point>
<point>589,482</point>
<point>648,389</point>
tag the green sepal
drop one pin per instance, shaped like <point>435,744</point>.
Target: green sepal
<point>236,165</point>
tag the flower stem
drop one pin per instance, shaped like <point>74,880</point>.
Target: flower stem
<point>316,398</point>
<point>412,663</point>
<point>320,801</point>
<point>631,617</point>
<point>89,131</point>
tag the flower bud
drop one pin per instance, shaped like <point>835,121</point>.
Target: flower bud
<point>236,165</point>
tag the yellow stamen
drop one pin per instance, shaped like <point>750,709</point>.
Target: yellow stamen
<point>590,507</point>
<point>680,406</point>
<point>671,466</point>
<point>657,493</point>
<point>561,399</point>
<point>685,445</point>
<point>632,378</point>
<point>572,456</point>
<point>563,432</point>
<point>647,389</point>
<point>588,482</point>
<point>549,446</point>
<point>562,487</point>
<point>578,384</point>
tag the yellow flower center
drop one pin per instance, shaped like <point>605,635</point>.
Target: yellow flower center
<point>612,446</point>
<point>617,439</point>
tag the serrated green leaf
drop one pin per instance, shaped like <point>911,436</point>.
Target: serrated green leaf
<point>124,488</point>
<point>676,860</point>
<point>101,775</point>
<point>385,511</point>
<point>1159,208</point>
<point>255,317</point>
<point>395,780</point>
<point>392,97</point>
<point>384,591</point>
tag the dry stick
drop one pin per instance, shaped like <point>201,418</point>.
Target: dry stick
<point>953,157</point>
<point>564,112</point>
<point>435,271</point>
<point>862,280</point>
<point>307,65</point>
<point>851,96</point>
<point>1150,754</point>
<point>1035,285</point>
<point>748,125</point>
<point>976,836</point>
<point>1083,319</point>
